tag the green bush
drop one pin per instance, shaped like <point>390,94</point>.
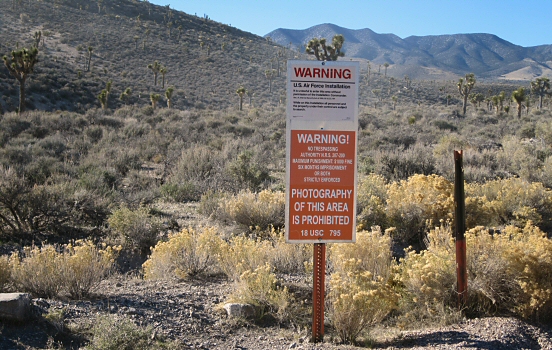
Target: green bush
<point>112,332</point>
<point>135,229</point>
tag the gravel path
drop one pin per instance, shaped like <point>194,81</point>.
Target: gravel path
<point>190,313</point>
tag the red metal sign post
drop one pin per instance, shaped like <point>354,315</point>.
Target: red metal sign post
<point>460,228</point>
<point>318,292</point>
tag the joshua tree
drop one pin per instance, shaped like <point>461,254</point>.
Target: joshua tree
<point>102,97</point>
<point>476,99</point>
<point>241,92</point>
<point>465,85</point>
<point>394,99</point>
<point>540,88</point>
<point>270,74</point>
<point>136,38</point>
<point>154,99</point>
<point>519,97</point>
<point>385,65</point>
<point>170,25</point>
<point>90,49</point>
<point>37,36</point>
<point>20,65</point>
<point>163,71</point>
<point>125,95</point>
<point>323,52</point>
<point>168,95</point>
<point>155,68</point>
<point>250,94</point>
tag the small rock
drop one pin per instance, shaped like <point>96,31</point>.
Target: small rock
<point>240,310</point>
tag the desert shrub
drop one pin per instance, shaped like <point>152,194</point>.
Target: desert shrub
<point>84,266</point>
<point>426,280</point>
<point>411,203</point>
<point>285,257</point>
<point>209,204</point>
<point>56,318</point>
<point>529,256</point>
<point>241,254</point>
<point>371,201</point>
<point>113,332</point>
<point>135,229</point>
<point>443,154</point>
<point>74,268</point>
<point>510,201</point>
<point>520,158</point>
<point>101,180</point>
<point>399,164</point>
<point>200,166</point>
<point>180,192</point>
<point>5,273</point>
<point>249,173</point>
<point>259,287</point>
<point>509,271</point>
<point>360,295</point>
<point>186,254</point>
<point>263,209</point>
<point>95,133</point>
<point>491,284</point>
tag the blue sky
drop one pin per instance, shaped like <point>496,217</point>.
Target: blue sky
<point>524,23</point>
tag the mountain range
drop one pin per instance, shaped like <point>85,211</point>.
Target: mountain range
<point>432,56</point>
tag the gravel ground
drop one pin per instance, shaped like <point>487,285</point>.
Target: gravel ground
<point>190,313</point>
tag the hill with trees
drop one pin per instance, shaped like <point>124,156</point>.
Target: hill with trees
<point>84,45</point>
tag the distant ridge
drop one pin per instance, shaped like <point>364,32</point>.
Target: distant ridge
<point>486,55</point>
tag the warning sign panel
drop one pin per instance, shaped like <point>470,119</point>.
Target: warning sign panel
<point>321,135</point>
<point>322,185</point>
<point>323,92</point>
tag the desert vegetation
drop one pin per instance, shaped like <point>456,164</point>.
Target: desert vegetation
<point>87,180</point>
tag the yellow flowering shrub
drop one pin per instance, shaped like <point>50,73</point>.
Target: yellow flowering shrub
<point>249,209</point>
<point>37,271</point>
<point>530,261</point>
<point>285,257</point>
<point>510,201</point>
<point>371,200</point>
<point>84,266</point>
<point>187,253</point>
<point>491,285</point>
<point>4,272</point>
<point>260,287</point>
<point>241,254</point>
<point>507,271</point>
<point>413,202</point>
<point>360,295</point>
<point>74,268</point>
<point>426,280</point>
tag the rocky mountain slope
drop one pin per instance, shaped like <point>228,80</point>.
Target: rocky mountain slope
<point>486,55</point>
<point>205,61</point>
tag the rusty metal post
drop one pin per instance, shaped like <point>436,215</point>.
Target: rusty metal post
<point>460,229</point>
<point>318,291</point>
